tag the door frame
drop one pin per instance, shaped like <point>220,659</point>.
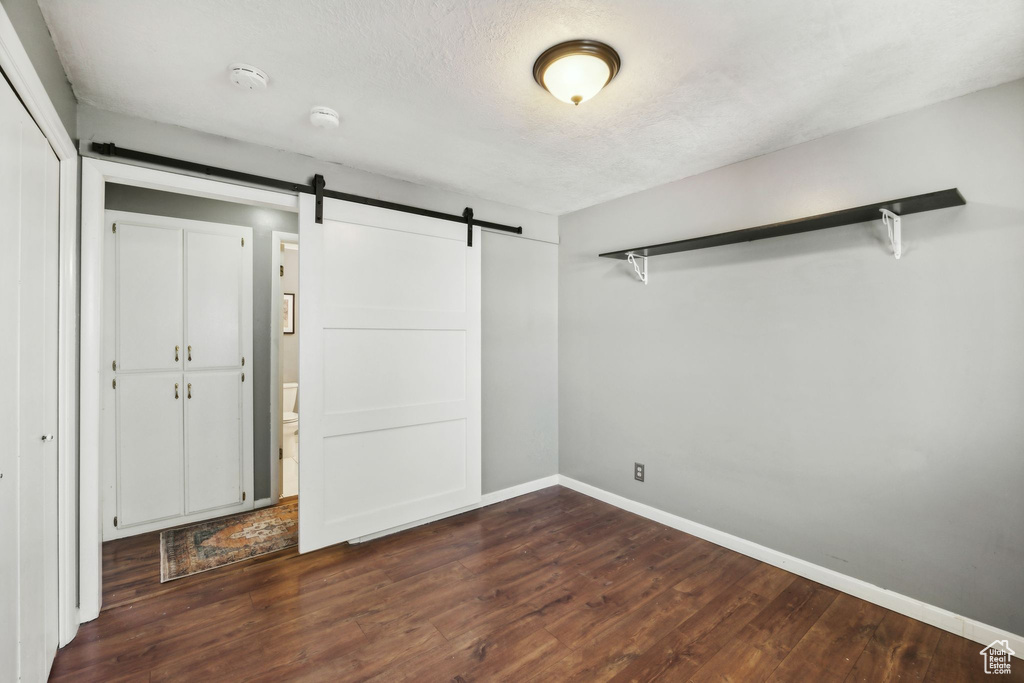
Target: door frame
<point>278,238</point>
<point>96,173</point>
<point>16,65</point>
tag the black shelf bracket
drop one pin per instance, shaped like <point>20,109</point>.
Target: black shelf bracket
<point>889,212</point>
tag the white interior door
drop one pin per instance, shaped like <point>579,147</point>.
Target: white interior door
<point>389,370</point>
<point>213,300</point>
<point>213,439</point>
<point>148,290</point>
<point>29,196</point>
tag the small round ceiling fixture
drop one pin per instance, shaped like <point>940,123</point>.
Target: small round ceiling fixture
<point>576,70</point>
<point>324,117</point>
<point>248,77</point>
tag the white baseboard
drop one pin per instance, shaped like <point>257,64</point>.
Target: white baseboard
<point>485,500</point>
<point>518,490</point>
<point>915,609</point>
<point>262,503</point>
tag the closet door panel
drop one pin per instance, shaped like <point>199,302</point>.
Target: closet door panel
<point>10,233</point>
<point>150,467</point>
<point>36,407</point>
<point>46,505</point>
<point>213,439</point>
<point>213,300</point>
<point>149,297</point>
<point>31,470</point>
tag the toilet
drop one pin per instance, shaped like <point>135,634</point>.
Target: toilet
<point>290,436</point>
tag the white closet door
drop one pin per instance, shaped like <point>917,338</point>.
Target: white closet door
<point>45,506</point>
<point>29,200</point>
<point>213,300</point>
<point>10,233</point>
<point>389,370</point>
<point>213,439</point>
<point>148,291</point>
<point>150,463</point>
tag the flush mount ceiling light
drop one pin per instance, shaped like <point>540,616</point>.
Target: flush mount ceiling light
<point>576,70</point>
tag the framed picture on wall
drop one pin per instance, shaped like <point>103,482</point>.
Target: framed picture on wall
<point>289,313</point>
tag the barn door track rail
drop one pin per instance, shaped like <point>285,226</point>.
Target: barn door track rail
<point>318,188</point>
<point>889,212</point>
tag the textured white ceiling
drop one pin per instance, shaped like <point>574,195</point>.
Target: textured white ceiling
<point>440,92</point>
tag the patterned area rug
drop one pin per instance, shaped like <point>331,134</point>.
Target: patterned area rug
<point>207,545</point>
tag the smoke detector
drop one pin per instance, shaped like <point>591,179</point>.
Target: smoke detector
<point>248,77</point>
<point>324,117</point>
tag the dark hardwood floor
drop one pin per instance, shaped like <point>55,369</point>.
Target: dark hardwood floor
<point>550,586</point>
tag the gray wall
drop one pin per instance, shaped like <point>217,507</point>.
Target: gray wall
<point>519,288</point>
<point>811,393</point>
<point>289,349</point>
<point>520,360</point>
<point>28,22</point>
<point>263,222</point>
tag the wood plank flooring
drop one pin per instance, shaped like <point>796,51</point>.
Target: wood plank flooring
<point>551,586</point>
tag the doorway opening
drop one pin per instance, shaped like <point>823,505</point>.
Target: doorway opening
<point>288,370</point>
<point>185,408</point>
<point>283,308</point>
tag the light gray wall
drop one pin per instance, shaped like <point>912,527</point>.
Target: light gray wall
<point>520,360</point>
<point>519,288</point>
<point>263,222</point>
<point>811,393</point>
<point>289,349</point>
<point>28,22</point>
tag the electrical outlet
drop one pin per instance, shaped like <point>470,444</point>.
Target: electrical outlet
<point>638,471</point>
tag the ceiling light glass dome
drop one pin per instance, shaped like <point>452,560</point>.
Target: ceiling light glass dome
<point>576,70</point>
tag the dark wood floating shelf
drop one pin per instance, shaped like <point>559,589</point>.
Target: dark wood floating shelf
<point>923,202</point>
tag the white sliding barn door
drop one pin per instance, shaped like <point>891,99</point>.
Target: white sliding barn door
<point>389,370</point>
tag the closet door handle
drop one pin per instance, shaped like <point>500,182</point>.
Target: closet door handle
<point>190,389</point>
<point>190,352</point>
<point>175,390</point>
<point>176,350</point>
